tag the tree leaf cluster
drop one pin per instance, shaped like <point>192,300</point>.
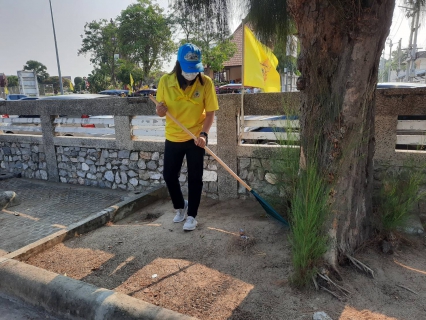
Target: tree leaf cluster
<point>205,27</point>
<point>39,68</point>
<point>141,37</point>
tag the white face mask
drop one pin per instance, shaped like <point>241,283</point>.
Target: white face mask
<point>189,76</point>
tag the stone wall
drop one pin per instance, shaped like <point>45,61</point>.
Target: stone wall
<point>120,162</point>
<point>24,159</point>
<point>103,168</point>
<point>257,173</point>
<point>124,169</point>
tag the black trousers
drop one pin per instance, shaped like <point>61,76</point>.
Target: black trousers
<point>174,153</point>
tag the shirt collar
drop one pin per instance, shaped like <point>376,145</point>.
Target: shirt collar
<point>173,82</point>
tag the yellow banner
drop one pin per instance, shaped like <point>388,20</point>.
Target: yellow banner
<point>131,84</point>
<point>259,65</point>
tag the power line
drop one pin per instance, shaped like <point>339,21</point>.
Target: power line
<point>396,22</point>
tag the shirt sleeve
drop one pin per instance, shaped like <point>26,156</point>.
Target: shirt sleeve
<point>210,100</point>
<point>160,90</point>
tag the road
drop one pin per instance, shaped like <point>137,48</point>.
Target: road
<point>14,309</point>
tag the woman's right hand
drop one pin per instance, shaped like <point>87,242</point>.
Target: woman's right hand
<point>161,109</point>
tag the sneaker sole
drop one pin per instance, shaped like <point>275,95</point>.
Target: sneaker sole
<point>190,229</point>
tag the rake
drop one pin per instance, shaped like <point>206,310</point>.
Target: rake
<point>266,206</point>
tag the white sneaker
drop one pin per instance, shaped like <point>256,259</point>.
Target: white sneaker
<point>190,223</point>
<point>181,213</point>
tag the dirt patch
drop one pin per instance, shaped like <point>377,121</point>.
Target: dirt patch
<point>213,273</point>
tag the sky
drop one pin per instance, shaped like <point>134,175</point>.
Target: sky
<point>27,32</point>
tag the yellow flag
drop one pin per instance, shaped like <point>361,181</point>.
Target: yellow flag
<point>71,86</point>
<point>131,84</point>
<point>259,65</point>
<point>6,91</point>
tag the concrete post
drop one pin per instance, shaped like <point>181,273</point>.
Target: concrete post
<point>227,145</point>
<point>48,131</point>
<point>123,132</point>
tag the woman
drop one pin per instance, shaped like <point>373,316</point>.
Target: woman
<point>190,97</point>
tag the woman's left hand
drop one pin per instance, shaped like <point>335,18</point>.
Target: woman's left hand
<point>200,142</point>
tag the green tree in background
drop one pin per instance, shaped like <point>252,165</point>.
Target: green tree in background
<point>54,80</point>
<point>145,36</point>
<point>100,41</point>
<point>125,69</point>
<point>212,37</point>
<point>12,81</point>
<point>39,68</point>
<point>99,80</point>
<point>78,83</point>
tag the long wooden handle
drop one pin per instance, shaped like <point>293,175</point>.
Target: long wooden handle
<point>223,164</point>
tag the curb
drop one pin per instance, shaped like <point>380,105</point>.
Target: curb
<point>75,299</point>
<point>111,214</point>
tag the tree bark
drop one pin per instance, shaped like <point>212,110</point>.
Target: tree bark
<point>341,43</point>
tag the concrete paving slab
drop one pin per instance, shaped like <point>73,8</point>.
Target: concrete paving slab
<point>14,309</point>
<point>47,208</point>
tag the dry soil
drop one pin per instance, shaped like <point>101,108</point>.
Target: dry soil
<point>212,273</point>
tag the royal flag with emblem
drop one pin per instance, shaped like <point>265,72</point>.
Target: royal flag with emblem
<point>260,65</point>
<point>131,85</point>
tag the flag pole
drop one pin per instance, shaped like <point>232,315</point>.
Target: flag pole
<point>241,117</point>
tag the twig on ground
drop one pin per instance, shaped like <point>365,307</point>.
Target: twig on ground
<point>406,288</point>
<point>315,282</point>
<point>332,293</point>
<point>340,288</point>
<point>361,265</point>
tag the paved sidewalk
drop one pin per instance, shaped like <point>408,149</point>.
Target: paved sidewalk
<point>47,208</point>
<point>13,309</point>
<point>48,214</point>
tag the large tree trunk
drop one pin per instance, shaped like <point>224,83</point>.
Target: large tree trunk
<point>341,43</point>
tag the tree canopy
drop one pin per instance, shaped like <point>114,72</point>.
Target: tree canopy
<point>139,40</point>
<point>209,34</point>
<point>145,36</point>
<point>39,68</point>
<point>12,81</point>
<point>54,80</point>
<point>100,41</point>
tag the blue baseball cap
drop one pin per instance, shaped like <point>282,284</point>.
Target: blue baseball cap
<point>189,57</point>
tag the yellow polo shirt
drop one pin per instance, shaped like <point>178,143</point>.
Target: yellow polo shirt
<point>189,106</point>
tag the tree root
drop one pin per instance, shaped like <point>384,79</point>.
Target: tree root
<point>323,282</point>
<point>361,266</point>
<point>333,294</point>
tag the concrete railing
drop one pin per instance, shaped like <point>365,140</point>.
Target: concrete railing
<point>58,152</point>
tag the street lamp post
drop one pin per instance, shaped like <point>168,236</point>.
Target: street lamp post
<point>56,47</point>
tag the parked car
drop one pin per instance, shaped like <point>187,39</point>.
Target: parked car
<point>13,97</point>
<point>232,88</point>
<point>145,93</point>
<point>115,92</point>
<point>29,98</point>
